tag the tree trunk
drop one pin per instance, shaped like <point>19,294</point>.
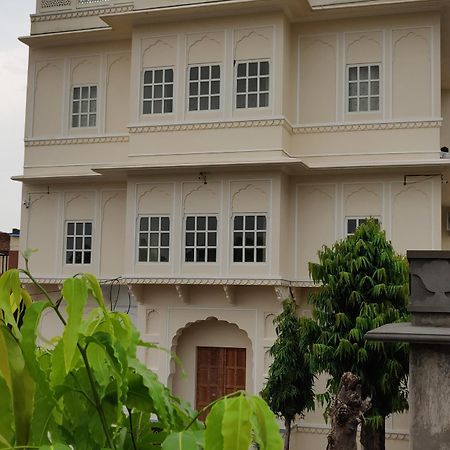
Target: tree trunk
<point>346,413</point>
<point>373,438</point>
<point>287,434</point>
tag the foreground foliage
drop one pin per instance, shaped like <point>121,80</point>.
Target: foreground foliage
<point>289,389</point>
<point>364,286</point>
<point>88,390</point>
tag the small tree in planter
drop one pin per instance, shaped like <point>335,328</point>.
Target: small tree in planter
<point>289,389</point>
<point>364,285</point>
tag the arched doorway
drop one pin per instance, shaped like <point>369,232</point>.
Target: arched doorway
<point>217,359</point>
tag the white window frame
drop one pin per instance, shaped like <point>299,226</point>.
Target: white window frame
<point>358,222</point>
<point>206,247</point>
<point>258,76</point>
<point>198,96</point>
<point>79,113</point>
<point>163,98</point>
<point>358,81</point>
<point>159,246</point>
<point>74,236</point>
<point>255,246</point>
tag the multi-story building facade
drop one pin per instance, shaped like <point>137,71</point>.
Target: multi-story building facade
<point>199,154</point>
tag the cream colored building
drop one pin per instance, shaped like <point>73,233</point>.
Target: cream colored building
<point>200,153</point>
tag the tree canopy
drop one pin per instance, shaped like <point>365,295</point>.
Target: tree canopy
<point>364,285</point>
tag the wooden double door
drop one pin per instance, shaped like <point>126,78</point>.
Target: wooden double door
<point>220,371</point>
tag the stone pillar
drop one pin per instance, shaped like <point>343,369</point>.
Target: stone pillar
<point>429,338</point>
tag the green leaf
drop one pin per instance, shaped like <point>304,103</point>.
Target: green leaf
<point>213,433</point>
<point>185,440</point>
<point>6,415</point>
<point>236,426</point>
<point>75,292</point>
<point>94,287</point>
<point>265,427</point>
<point>9,283</point>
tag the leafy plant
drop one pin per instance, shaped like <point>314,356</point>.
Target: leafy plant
<point>289,389</point>
<point>364,285</point>
<point>89,390</point>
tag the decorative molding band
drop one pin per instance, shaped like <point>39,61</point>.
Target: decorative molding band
<point>366,127</point>
<point>189,281</point>
<point>76,140</point>
<point>43,17</point>
<point>208,126</point>
<point>311,429</point>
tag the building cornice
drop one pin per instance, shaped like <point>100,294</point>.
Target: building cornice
<point>221,125</point>
<point>191,281</point>
<point>76,140</point>
<point>44,17</point>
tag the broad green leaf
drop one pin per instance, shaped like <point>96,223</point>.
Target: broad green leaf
<point>185,440</point>
<point>75,293</point>
<point>236,426</point>
<point>6,415</point>
<point>213,433</point>
<point>265,427</point>
<point>96,290</point>
<point>9,283</point>
<point>55,447</point>
<point>22,387</point>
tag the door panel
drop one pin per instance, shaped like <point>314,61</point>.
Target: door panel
<point>220,371</point>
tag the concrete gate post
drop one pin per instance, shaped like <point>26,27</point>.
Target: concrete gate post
<point>429,336</point>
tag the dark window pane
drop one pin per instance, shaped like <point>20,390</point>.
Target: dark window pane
<point>353,73</point>
<point>143,226</point>
<point>75,123</point>
<point>78,243</point>
<point>364,73</point>
<point>261,222</point>
<point>78,257</point>
<point>190,239</point>
<point>154,239</point>
<point>201,223</point>
<point>201,255</point>
<point>252,100</point>
<point>143,255</point>
<point>69,258</point>
<point>240,101</point>
<point>215,102</point>
<point>211,255</point>
<point>164,239</point>
<point>88,243</point>
<point>241,85</point>
<point>85,92</point>
<point>263,100</point>
<point>83,120</point>
<point>193,104</point>
<point>352,104</point>
<point>204,72</point>
<point>168,77</point>
<point>189,255</point>
<point>238,222</point>
<point>84,106</point>
<point>351,226</point>
<point>148,76</point>
<point>212,223</point>
<point>92,120</point>
<point>143,239</point>
<point>157,91</point>
<point>76,107</point>
<point>87,257</point>
<point>193,75</point>
<point>147,109</point>
<point>242,69</point>
<point>158,76</point>
<point>249,255</point>
<point>168,90</point>
<point>264,84</point>
<point>168,106</point>
<point>193,88</point>
<point>215,87</point>
<point>204,103</point>
<point>374,104</point>
<point>76,93</point>
<point>70,243</point>
<point>93,91</point>
<point>212,239</point>
<point>261,238</point>
<point>253,69</point>
<point>237,255</point>
<point>157,106</point>
<point>238,239</point>
<point>250,239</point>
<point>93,106</point>
<point>79,228</point>
<point>204,88</point>
<point>363,104</point>
<point>153,255</point>
<point>252,84</point>
<point>215,72</point>
<point>165,223</point>
<point>264,68</point>
<point>147,92</point>
<point>190,223</point>
<point>249,222</point>
<point>201,239</point>
<point>70,228</point>
<point>260,255</point>
<point>164,255</point>
<point>154,223</point>
<point>374,72</point>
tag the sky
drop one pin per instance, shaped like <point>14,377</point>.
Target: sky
<point>14,22</point>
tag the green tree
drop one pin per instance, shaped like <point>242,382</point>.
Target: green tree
<point>289,389</point>
<point>90,391</point>
<point>364,285</point>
